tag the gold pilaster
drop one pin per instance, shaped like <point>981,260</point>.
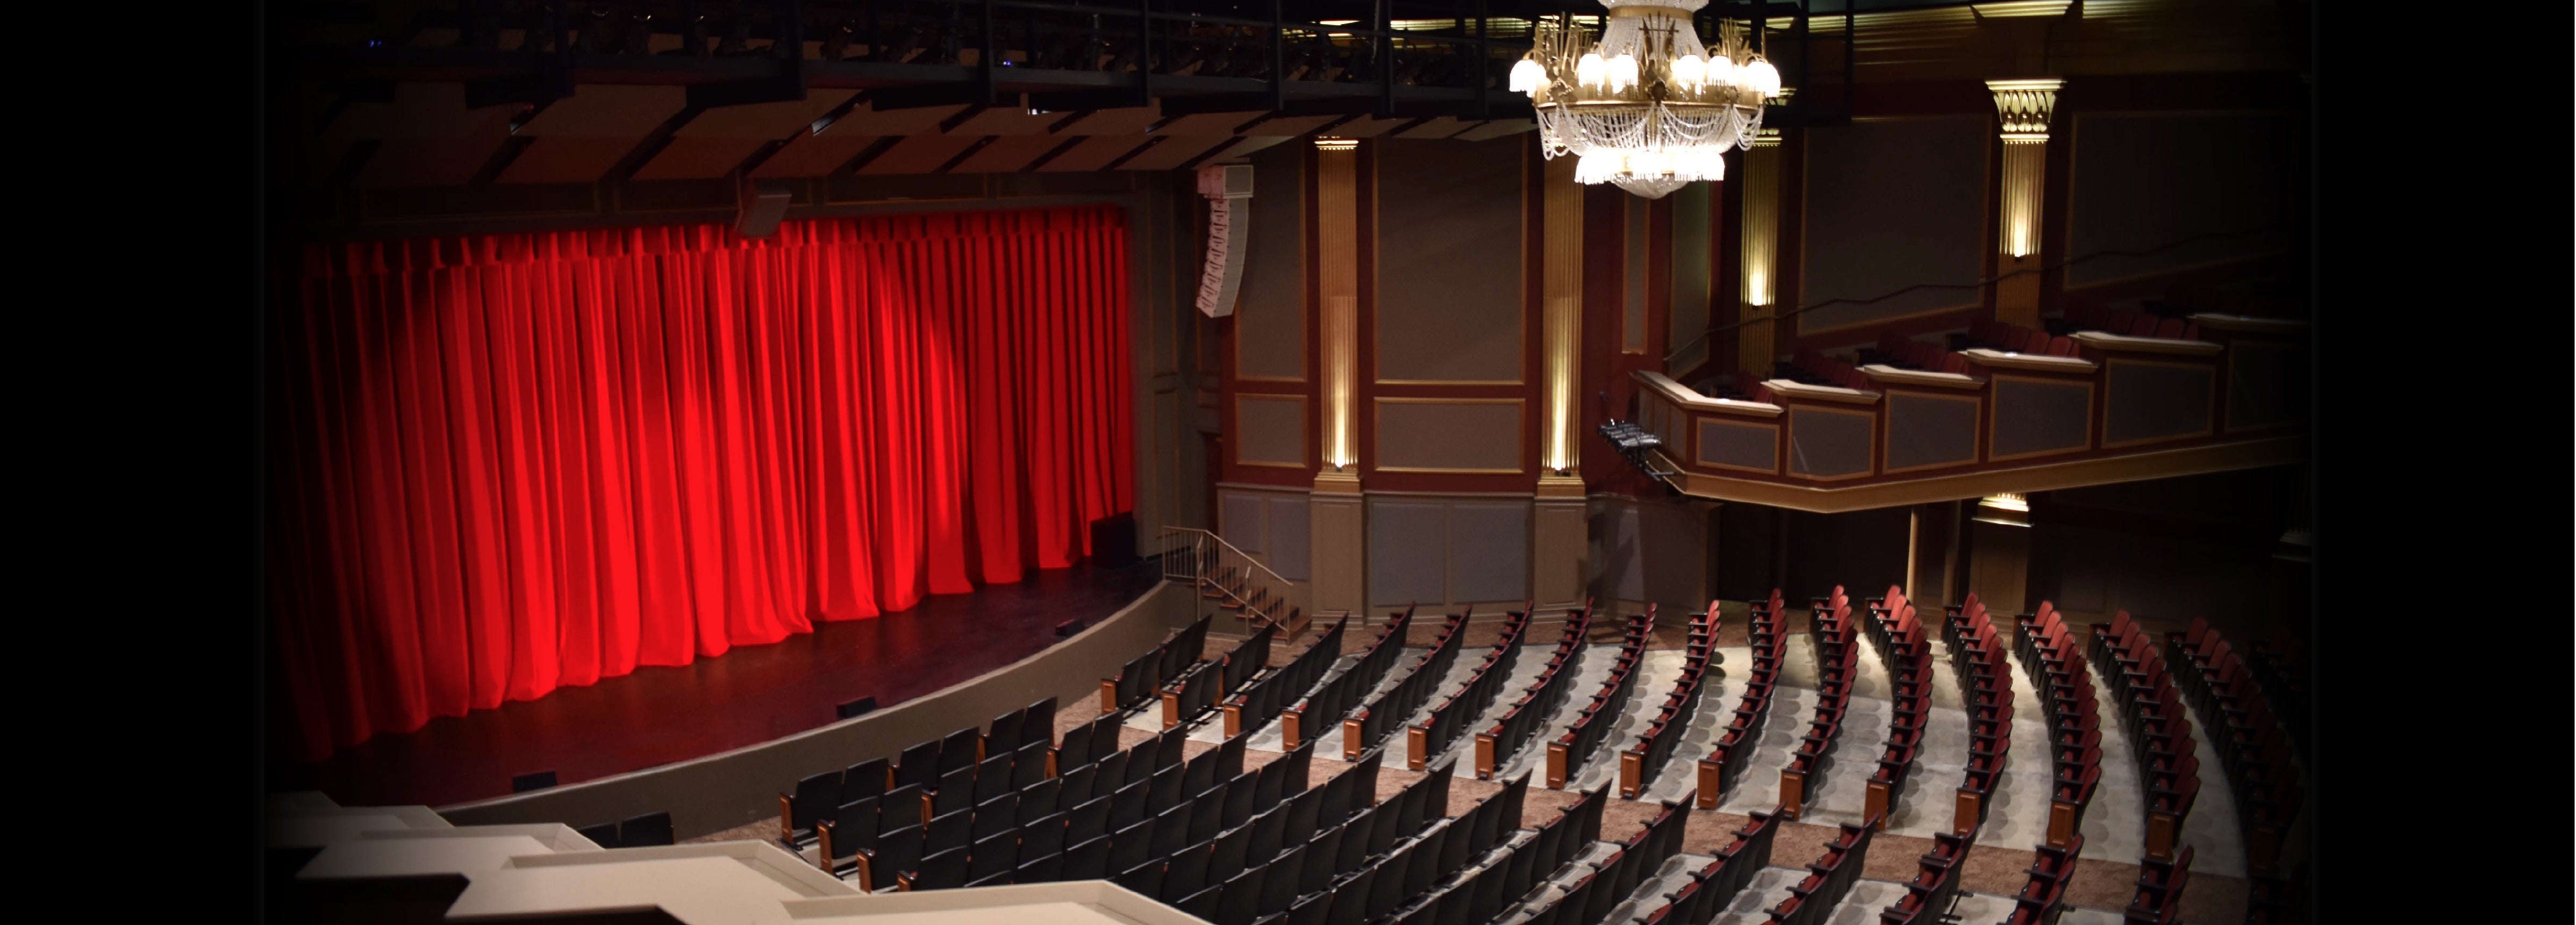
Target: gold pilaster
<point>1561,291</point>
<point>1754,351</point>
<point>1336,519</point>
<point>2024,107</point>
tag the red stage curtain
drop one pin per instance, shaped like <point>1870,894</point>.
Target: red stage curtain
<point>505,463</point>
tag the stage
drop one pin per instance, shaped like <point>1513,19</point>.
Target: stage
<point>750,695</point>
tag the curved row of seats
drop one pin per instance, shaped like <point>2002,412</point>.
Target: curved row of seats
<point>1401,878</point>
<point>1644,758</point>
<point>1259,700</point>
<point>2159,897</point>
<point>2158,724</point>
<point>1837,657</point>
<point>1529,714</point>
<point>1138,680</point>
<point>1725,763</point>
<point>2280,667</point>
<point>1448,721</point>
<point>2049,657</point>
<point>1573,747</point>
<point>1301,858</point>
<point>1484,893</point>
<point>1383,715</point>
<point>1020,835</point>
<point>1712,888</point>
<point>1196,692</point>
<point>1590,899</point>
<point>2043,897</point>
<point>979,807</point>
<point>1830,878</point>
<point>1897,633</point>
<point>1986,691</point>
<point>1325,706</point>
<point>1936,881</point>
<point>953,764</point>
<point>2251,748</point>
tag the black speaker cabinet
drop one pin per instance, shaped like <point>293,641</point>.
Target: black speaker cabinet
<point>1113,541</point>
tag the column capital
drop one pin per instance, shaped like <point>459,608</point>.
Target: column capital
<point>2025,106</point>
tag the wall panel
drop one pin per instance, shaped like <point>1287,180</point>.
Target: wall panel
<point>1270,311</point>
<point>1441,435</point>
<point>1894,203</point>
<point>2139,181</point>
<point>1270,430</point>
<point>1449,270</point>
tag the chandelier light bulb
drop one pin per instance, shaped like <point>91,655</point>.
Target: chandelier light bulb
<point>1623,72</point>
<point>1721,71</point>
<point>1589,70</point>
<point>1762,78</point>
<point>1527,76</point>
<point>1688,71</point>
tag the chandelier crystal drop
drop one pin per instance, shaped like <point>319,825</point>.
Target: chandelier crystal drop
<point>1646,106</point>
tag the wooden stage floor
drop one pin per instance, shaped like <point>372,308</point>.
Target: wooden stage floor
<point>752,694</point>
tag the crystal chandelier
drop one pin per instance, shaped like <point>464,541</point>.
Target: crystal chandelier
<point>1647,107</point>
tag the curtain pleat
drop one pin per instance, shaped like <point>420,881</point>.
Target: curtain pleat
<point>502,464</point>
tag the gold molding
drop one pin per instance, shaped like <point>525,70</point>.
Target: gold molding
<point>2100,470</point>
<point>1698,441</point>
<point>1992,431</point>
<point>1976,423</point>
<point>1377,421</point>
<point>2212,430</point>
<point>1869,458</point>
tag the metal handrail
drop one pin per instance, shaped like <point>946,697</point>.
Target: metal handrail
<point>1200,543</point>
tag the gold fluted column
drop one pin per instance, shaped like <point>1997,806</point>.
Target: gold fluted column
<point>2024,106</point>
<point>1336,519</point>
<point>1559,541</point>
<point>1754,341</point>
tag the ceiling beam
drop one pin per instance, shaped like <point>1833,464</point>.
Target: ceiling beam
<point>1214,153</point>
<point>1131,154</point>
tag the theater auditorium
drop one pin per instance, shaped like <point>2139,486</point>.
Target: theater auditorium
<point>1407,462</point>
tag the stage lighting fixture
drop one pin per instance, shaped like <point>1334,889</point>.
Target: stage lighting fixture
<point>638,35</point>
<point>838,43</point>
